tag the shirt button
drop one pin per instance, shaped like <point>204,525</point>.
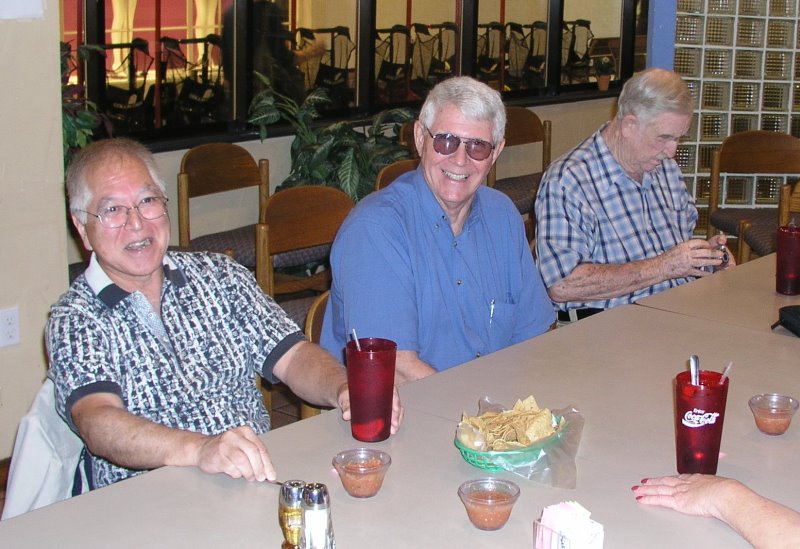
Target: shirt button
<point>455,244</point>
<point>477,355</point>
<point>458,282</point>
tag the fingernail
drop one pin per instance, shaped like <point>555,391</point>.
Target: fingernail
<point>643,481</point>
<point>634,488</point>
<point>638,498</point>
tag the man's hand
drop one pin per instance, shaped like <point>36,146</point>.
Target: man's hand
<point>691,257</point>
<point>397,408</point>
<point>238,453</point>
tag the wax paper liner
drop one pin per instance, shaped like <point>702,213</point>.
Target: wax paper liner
<point>550,461</point>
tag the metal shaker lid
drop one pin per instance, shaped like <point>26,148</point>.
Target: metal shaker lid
<point>315,496</point>
<point>292,492</point>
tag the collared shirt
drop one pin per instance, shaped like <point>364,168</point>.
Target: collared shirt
<point>400,273</point>
<point>588,210</point>
<point>191,368</point>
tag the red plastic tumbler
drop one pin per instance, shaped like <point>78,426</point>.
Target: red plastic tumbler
<point>787,267</point>
<point>699,415</point>
<point>370,378</point>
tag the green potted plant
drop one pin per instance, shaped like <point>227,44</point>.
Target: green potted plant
<point>338,155</point>
<point>80,118</point>
<point>603,70</point>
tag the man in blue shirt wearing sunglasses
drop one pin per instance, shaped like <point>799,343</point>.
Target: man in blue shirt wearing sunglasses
<point>437,261</point>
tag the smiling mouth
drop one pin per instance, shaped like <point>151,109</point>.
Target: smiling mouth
<point>141,245</point>
<point>455,176</point>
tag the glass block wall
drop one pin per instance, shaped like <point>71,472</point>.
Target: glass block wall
<point>741,59</point>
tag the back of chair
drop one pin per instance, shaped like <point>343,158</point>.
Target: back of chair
<point>393,171</point>
<point>789,205</point>
<point>218,167</point>
<point>297,218</point>
<point>316,314</point>
<point>524,127</point>
<point>752,152</point>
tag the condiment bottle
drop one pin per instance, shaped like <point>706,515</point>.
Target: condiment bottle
<point>317,530</point>
<point>290,512</point>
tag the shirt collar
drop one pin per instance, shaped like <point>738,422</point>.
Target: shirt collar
<point>111,294</point>
<point>615,173</point>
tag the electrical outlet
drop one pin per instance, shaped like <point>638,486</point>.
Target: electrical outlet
<point>9,326</point>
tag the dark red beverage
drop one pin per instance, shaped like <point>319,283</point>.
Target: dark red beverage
<point>370,378</point>
<point>699,415</point>
<point>787,267</point>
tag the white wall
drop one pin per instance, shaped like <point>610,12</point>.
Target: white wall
<point>32,214</point>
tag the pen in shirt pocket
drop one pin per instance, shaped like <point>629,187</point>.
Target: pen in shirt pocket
<point>491,311</point>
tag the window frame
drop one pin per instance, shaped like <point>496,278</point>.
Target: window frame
<point>237,129</point>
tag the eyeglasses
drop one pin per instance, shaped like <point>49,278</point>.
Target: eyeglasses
<point>114,217</point>
<point>447,143</point>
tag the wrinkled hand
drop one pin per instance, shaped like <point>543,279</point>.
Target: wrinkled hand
<point>238,453</point>
<point>688,494</point>
<point>690,257</point>
<point>397,407</point>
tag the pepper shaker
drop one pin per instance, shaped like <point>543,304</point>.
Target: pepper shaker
<point>317,529</point>
<point>290,512</point>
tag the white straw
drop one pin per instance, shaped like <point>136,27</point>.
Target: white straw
<point>725,372</point>
<point>355,338</point>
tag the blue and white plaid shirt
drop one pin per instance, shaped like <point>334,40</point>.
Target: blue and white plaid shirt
<point>589,211</point>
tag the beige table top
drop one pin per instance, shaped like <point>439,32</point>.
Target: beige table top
<point>743,296</point>
<point>616,367</point>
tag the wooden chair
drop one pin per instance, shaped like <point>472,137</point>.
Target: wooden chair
<point>761,239</point>
<point>393,171</point>
<point>313,329</point>
<point>523,127</point>
<point>214,168</point>
<point>749,153</point>
<point>297,218</point>
<point>406,138</point>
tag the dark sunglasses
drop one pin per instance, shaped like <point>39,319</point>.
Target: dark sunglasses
<point>447,143</point>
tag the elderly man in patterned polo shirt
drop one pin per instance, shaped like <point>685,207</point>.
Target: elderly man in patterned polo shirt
<point>154,353</point>
<point>614,220</point>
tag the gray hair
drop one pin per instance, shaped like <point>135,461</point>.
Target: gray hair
<point>653,92</point>
<point>97,153</point>
<point>475,100</point>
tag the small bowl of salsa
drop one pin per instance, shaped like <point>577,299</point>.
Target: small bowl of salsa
<point>773,412</point>
<point>362,470</point>
<point>488,501</point>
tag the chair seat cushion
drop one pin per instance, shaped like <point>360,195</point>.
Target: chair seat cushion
<point>297,309</point>
<point>521,189</point>
<point>243,243</point>
<point>727,219</point>
<point>762,239</point>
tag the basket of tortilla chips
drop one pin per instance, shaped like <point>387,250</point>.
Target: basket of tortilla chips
<point>498,439</point>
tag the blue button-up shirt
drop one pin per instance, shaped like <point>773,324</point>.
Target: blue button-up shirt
<point>400,273</point>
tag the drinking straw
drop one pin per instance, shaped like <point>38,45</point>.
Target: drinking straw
<point>355,338</point>
<point>725,372</point>
<point>694,369</point>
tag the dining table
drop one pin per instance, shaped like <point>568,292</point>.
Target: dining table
<point>743,295</point>
<point>614,369</point>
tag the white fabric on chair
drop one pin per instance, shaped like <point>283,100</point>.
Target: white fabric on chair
<point>46,455</point>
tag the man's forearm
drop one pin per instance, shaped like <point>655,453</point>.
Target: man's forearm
<point>312,373</point>
<point>593,281</point>
<point>129,441</point>
<point>409,367</point>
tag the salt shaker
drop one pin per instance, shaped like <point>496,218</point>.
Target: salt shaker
<point>317,529</point>
<point>290,512</point>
